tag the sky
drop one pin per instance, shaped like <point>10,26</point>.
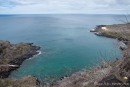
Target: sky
<point>64,6</point>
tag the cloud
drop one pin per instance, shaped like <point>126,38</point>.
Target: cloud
<point>21,2</point>
<point>64,6</point>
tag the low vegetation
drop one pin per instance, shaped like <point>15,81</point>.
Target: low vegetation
<point>114,34</point>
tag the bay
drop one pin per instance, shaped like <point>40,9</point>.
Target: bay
<point>67,46</point>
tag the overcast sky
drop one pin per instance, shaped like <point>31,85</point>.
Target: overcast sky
<point>64,6</point>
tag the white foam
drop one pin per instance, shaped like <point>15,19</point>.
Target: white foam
<point>29,58</point>
<point>39,52</point>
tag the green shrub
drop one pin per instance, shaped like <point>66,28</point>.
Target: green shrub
<point>85,86</point>
<point>6,82</point>
<point>5,61</point>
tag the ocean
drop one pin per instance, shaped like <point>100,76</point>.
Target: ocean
<point>67,45</point>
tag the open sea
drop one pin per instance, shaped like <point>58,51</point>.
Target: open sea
<point>67,45</point>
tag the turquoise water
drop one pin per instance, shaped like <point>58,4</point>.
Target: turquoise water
<point>67,46</point>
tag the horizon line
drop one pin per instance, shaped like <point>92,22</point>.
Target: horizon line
<point>63,14</point>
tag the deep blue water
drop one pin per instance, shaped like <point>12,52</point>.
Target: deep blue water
<point>67,46</point>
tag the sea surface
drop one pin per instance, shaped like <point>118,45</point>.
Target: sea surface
<point>66,44</point>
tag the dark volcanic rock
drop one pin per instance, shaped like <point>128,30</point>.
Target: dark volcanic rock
<point>98,28</point>
<point>122,39</point>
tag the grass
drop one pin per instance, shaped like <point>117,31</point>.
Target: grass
<point>114,34</point>
<point>85,86</point>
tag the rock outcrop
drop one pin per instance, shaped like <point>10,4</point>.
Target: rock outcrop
<point>12,56</point>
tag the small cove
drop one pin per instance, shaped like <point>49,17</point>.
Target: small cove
<point>67,45</point>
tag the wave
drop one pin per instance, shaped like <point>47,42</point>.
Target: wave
<point>39,52</point>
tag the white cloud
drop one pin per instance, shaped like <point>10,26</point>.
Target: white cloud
<point>64,6</point>
<point>22,2</point>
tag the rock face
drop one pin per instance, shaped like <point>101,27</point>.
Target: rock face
<point>12,56</point>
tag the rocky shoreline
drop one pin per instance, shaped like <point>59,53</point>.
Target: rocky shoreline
<point>19,53</point>
<point>113,31</point>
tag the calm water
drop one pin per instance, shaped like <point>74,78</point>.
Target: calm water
<point>66,44</point>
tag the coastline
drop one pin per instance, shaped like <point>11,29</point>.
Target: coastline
<point>116,31</point>
<point>39,52</point>
<point>109,72</point>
